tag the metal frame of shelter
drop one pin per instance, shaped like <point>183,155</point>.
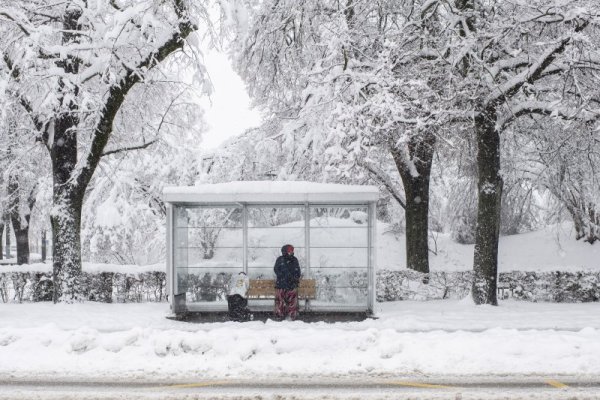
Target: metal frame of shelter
<point>248,195</point>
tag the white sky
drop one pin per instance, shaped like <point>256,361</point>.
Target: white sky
<point>227,111</point>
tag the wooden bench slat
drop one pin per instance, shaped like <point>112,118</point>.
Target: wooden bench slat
<point>265,288</point>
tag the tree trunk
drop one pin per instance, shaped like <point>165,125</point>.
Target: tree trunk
<point>20,225</point>
<point>69,182</point>
<point>66,252</point>
<point>585,218</point>
<point>1,237</point>
<point>67,195</point>
<point>23,254</point>
<point>415,171</point>
<point>67,198</point>
<point>7,226</point>
<point>485,263</point>
<point>44,244</point>
<point>417,224</point>
<point>66,234</point>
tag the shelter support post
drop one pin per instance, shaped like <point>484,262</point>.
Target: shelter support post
<point>245,238</point>
<point>307,248</point>
<point>170,263</point>
<point>372,257</point>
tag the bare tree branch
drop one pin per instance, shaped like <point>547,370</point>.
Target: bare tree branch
<point>382,177</point>
<point>114,5</point>
<point>543,108</point>
<point>18,23</point>
<point>129,148</point>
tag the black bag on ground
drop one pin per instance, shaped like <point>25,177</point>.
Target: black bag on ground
<point>238,308</point>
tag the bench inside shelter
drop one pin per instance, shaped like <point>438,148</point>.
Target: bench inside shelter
<point>265,289</point>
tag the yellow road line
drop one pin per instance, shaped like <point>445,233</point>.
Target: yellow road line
<point>420,385</point>
<point>556,384</point>
<point>192,385</point>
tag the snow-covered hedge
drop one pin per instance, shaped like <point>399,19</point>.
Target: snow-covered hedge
<point>412,285</point>
<point>552,286</point>
<point>147,285</point>
<point>105,287</point>
<point>555,286</point>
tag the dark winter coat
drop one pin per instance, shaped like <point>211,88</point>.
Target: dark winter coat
<point>287,270</point>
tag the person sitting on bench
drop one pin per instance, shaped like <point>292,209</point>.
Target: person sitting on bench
<point>237,300</point>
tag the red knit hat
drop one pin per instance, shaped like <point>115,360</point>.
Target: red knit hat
<point>290,249</point>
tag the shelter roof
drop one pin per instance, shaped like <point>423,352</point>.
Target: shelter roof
<point>271,192</point>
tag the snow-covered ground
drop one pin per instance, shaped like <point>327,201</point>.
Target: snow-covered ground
<point>551,248</point>
<point>137,342</point>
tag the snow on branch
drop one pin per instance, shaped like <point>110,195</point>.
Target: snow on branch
<point>114,5</point>
<point>504,65</point>
<point>530,75</point>
<point>536,70</point>
<point>544,108</point>
<point>21,24</point>
<point>428,6</point>
<point>129,148</point>
<point>401,151</point>
<point>383,178</point>
<point>23,101</point>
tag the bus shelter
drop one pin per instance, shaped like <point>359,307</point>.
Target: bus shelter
<point>217,230</point>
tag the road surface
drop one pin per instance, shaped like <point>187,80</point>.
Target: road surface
<point>457,388</point>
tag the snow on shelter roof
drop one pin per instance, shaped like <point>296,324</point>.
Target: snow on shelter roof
<point>271,192</point>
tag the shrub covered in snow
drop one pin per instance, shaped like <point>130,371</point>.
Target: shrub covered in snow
<point>555,286</point>
<point>412,285</point>
<point>106,287</point>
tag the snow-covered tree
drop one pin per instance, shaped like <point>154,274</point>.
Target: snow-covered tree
<point>391,77</point>
<point>23,163</point>
<point>124,215</point>
<point>516,60</point>
<point>566,158</point>
<point>72,66</point>
<point>337,69</point>
<point>274,151</point>
<point>454,183</point>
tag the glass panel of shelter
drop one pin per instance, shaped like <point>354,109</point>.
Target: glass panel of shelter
<point>208,249</point>
<point>339,254</point>
<point>269,228</point>
<point>180,244</point>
